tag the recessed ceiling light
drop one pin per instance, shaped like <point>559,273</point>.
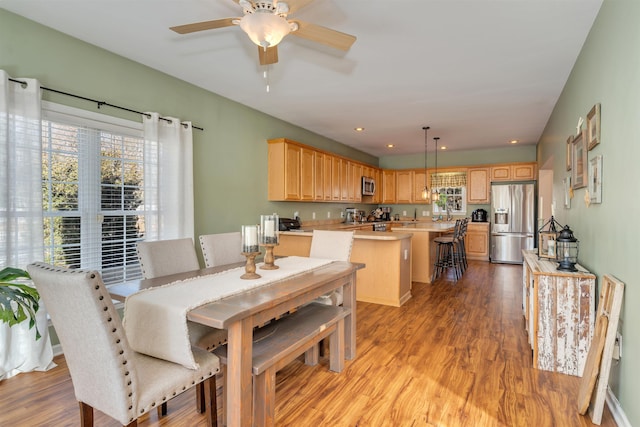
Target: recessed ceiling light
<point>390,145</point>
<point>359,129</point>
<point>443,148</point>
<point>514,141</point>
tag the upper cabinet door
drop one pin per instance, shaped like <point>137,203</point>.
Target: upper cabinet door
<point>478,186</point>
<point>388,186</point>
<point>501,173</point>
<point>514,172</point>
<point>307,174</point>
<point>404,186</point>
<point>523,171</point>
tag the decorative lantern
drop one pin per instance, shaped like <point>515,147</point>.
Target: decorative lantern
<point>547,239</point>
<point>567,250</point>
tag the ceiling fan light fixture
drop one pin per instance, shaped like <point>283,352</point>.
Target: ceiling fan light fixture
<point>264,28</point>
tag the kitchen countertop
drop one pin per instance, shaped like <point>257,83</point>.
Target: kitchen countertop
<point>428,226</point>
<point>359,234</point>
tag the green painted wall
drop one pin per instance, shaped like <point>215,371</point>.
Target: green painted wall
<point>522,153</point>
<point>607,71</point>
<point>230,155</point>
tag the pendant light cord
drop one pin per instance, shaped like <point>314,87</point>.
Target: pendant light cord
<point>426,129</point>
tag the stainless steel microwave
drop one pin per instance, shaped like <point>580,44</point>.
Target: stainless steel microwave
<point>368,186</point>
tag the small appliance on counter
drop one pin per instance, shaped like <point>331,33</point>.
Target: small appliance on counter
<point>386,213</point>
<point>351,215</point>
<point>289,224</point>
<point>479,215</point>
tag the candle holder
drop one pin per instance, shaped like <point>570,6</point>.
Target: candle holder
<point>269,258</point>
<point>250,266</point>
<point>269,238</point>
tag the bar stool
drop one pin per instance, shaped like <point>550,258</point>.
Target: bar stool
<point>462,249</point>
<point>448,253</point>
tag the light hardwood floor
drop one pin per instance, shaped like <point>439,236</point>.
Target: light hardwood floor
<point>456,354</point>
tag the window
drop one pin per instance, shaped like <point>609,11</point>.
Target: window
<point>452,190</point>
<point>453,197</point>
<point>92,188</point>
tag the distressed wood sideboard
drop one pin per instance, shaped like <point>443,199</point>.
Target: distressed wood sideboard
<point>559,312</point>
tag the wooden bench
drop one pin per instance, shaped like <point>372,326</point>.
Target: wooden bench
<point>281,342</point>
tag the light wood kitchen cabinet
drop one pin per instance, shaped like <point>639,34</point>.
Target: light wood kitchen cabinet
<point>404,186</point>
<point>318,177</point>
<point>284,170</point>
<point>523,171</point>
<point>377,196</point>
<point>345,180</point>
<point>514,172</point>
<point>355,184</point>
<point>307,174</point>
<point>478,186</point>
<point>388,186</point>
<point>336,178</point>
<point>559,312</point>
<point>476,241</point>
<point>327,177</point>
<point>297,172</point>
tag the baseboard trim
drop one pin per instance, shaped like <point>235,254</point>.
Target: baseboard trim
<point>57,349</point>
<point>616,410</point>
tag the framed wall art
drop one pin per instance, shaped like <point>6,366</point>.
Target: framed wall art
<point>579,167</point>
<point>595,179</point>
<point>569,152</point>
<point>593,127</point>
<point>566,185</point>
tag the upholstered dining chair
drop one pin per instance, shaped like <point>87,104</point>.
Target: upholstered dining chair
<point>334,245</point>
<point>172,256</point>
<point>106,373</point>
<point>222,248</point>
<point>165,257</point>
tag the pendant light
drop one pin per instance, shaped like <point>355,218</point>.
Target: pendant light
<point>434,191</point>
<point>425,190</point>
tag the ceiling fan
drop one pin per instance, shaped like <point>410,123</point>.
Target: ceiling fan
<point>266,24</point>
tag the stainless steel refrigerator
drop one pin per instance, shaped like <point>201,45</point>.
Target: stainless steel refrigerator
<point>512,221</point>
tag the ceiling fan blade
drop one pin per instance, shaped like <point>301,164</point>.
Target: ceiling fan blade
<point>206,25</point>
<point>324,35</point>
<point>270,56</point>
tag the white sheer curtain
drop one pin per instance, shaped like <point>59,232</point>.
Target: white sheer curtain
<point>21,232</point>
<point>168,178</point>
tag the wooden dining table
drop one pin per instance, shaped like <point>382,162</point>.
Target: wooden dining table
<point>241,312</point>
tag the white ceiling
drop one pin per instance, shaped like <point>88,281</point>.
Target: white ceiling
<point>479,73</point>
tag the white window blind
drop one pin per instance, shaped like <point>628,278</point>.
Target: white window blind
<point>93,171</point>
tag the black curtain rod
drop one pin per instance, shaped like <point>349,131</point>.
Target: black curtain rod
<point>100,103</point>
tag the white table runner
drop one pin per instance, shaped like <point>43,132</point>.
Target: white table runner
<point>155,319</point>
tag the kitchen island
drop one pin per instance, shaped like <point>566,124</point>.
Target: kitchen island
<point>386,279</point>
<point>423,249</point>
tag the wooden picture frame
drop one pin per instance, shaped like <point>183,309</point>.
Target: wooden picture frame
<point>593,127</point>
<point>569,153</point>
<point>579,167</point>
<point>595,179</point>
<point>566,183</point>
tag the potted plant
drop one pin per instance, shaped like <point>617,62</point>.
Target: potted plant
<point>18,300</point>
